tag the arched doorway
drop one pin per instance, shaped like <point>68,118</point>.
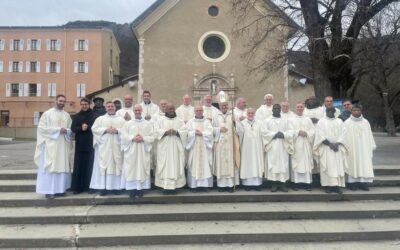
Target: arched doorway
<point>211,85</point>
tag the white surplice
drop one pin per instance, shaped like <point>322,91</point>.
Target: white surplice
<point>332,164</point>
<point>151,109</point>
<point>276,150</point>
<point>210,112</point>
<point>107,164</point>
<point>263,113</point>
<point>200,153</point>
<point>360,143</point>
<point>170,170</point>
<point>252,155</point>
<point>302,158</point>
<point>237,112</point>
<point>123,111</point>
<point>53,152</point>
<point>136,156</point>
<point>185,112</point>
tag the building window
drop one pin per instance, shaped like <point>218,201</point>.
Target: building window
<point>52,89</point>
<point>81,67</point>
<point>14,89</point>
<point>34,44</point>
<point>80,90</point>
<point>15,67</point>
<point>53,45</point>
<point>1,66</point>
<point>34,67</point>
<point>53,67</point>
<point>214,46</point>
<point>213,11</point>
<point>4,118</point>
<point>1,44</point>
<point>81,45</point>
<point>32,89</point>
<point>16,44</point>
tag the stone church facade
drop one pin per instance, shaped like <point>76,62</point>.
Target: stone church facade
<point>188,47</point>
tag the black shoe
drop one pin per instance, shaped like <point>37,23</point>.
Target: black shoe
<point>220,189</point>
<point>295,187</point>
<point>247,188</point>
<point>76,192</point>
<point>132,194</point>
<point>230,189</point>
<point>193,190</point>
<point>91,191</point>
<point>257,188</point>
<point>363,186</point>
<point>283,187</point>
<point>49,196</point>
<point>103,192</point>
<point>274,188</point>
<point>353,186</point>
<point>337,190</point>
<point>328,190</point>
<point>308,187</point>
<point>140,193</point>
<point>116,192</point>
<point>59,195</point>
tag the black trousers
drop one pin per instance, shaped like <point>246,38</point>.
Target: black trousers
<point>83,166</point>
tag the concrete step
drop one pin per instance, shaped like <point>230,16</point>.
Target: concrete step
<point>25,199</point>
<point>200,212</point>
<point>18,174</point>
<point>348,245</point>
<point>198,232</point>
<point>386,180</point>
<point>30,174</point>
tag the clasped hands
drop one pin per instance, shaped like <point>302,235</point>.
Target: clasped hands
<point>278,135</point>
<point>138,139</point>
<point>111,130</point>
<point>171,132</point>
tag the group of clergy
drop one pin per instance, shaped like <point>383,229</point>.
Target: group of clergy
<point>193,145</point>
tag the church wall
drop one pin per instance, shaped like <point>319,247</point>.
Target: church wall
<point>171,56</point>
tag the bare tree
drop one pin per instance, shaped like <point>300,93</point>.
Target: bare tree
<point>330,26</point>
<point>376,59</point>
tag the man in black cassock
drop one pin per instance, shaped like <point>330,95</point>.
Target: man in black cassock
<point>83,163</point>
<point>98,108</point>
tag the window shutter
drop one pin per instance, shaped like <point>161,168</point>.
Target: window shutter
<point>39,44</point>
<point>58,46</point>
<point>28,66</point>
<point>26,89</point>
<point>47,67</point>
<point>75,67</point>
<point>38,66</point>
<point>1,66</point>
<point>10,66</point>
<point>54,88</point>
<point>21,45</point>
<point>47,44</point>
<point>11,44</point>
<point>20,89</point>
<point>20,66</point>
<point>86,45</point>
<point>78,90</point>
<point>58,67</point>
<point>83,90</point>
<point>38,89</point>
<point>76,44</point>
<point>28,44</point>
<point>8,89</point>
<point>36,116</point>
<point>1,44</point>
<point>86,67</point>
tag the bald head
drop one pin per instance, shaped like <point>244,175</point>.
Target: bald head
<point>186,100</point>
<point>163,105</point>
<point>137,110</point>
<point>250,114</point>
<point>241,103</point>
<point>128,100</point>
<point>198,111</point>
<point>285,107</point>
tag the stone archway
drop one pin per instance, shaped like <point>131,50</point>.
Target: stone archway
<point>212,84</point>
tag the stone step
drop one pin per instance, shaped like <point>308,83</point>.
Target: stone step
<point>25,199</point>
<point>30,174</point>
<point>353,245</point>
<point>198,232</point>
<point>200,212</point>
<point>29,184</point>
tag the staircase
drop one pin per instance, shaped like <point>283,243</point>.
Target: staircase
<point>256,220</point>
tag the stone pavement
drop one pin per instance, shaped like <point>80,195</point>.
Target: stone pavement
<point>19,154</point>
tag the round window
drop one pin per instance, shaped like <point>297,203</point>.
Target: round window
<point>213,11</point>
<point>214,46</point>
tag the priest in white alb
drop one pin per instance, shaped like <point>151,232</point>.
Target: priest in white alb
<point>200,156</point>
<point>171,135</point>
<point>150,109</point>
<point>53,151</point>
<point>278,144</point>
<point>360,143</point>
<point>136,139</point>
<point>252,155</point>
<point>208,109</point>
<point>302,158</point>
<point>107,166</point>
<point>226,155</point>
<point>126,111</point>
<point>331,151</point>
<point>265,111</point>
<point>240,110</point>
<point>185,112</point>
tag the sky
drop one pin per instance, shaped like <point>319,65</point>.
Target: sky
<point>58,12</point>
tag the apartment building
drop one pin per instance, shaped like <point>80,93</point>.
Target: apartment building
<point>38,63</point>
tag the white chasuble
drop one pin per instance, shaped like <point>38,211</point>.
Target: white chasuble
<point>360,143</point>
<point>170,170</point>
<point>185,112</point>
<point>263,113</point>
<point>276,150</point>
<point>332,164</point>
<point>200,153</point>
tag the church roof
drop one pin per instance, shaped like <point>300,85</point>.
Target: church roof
<point>158,3</point>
